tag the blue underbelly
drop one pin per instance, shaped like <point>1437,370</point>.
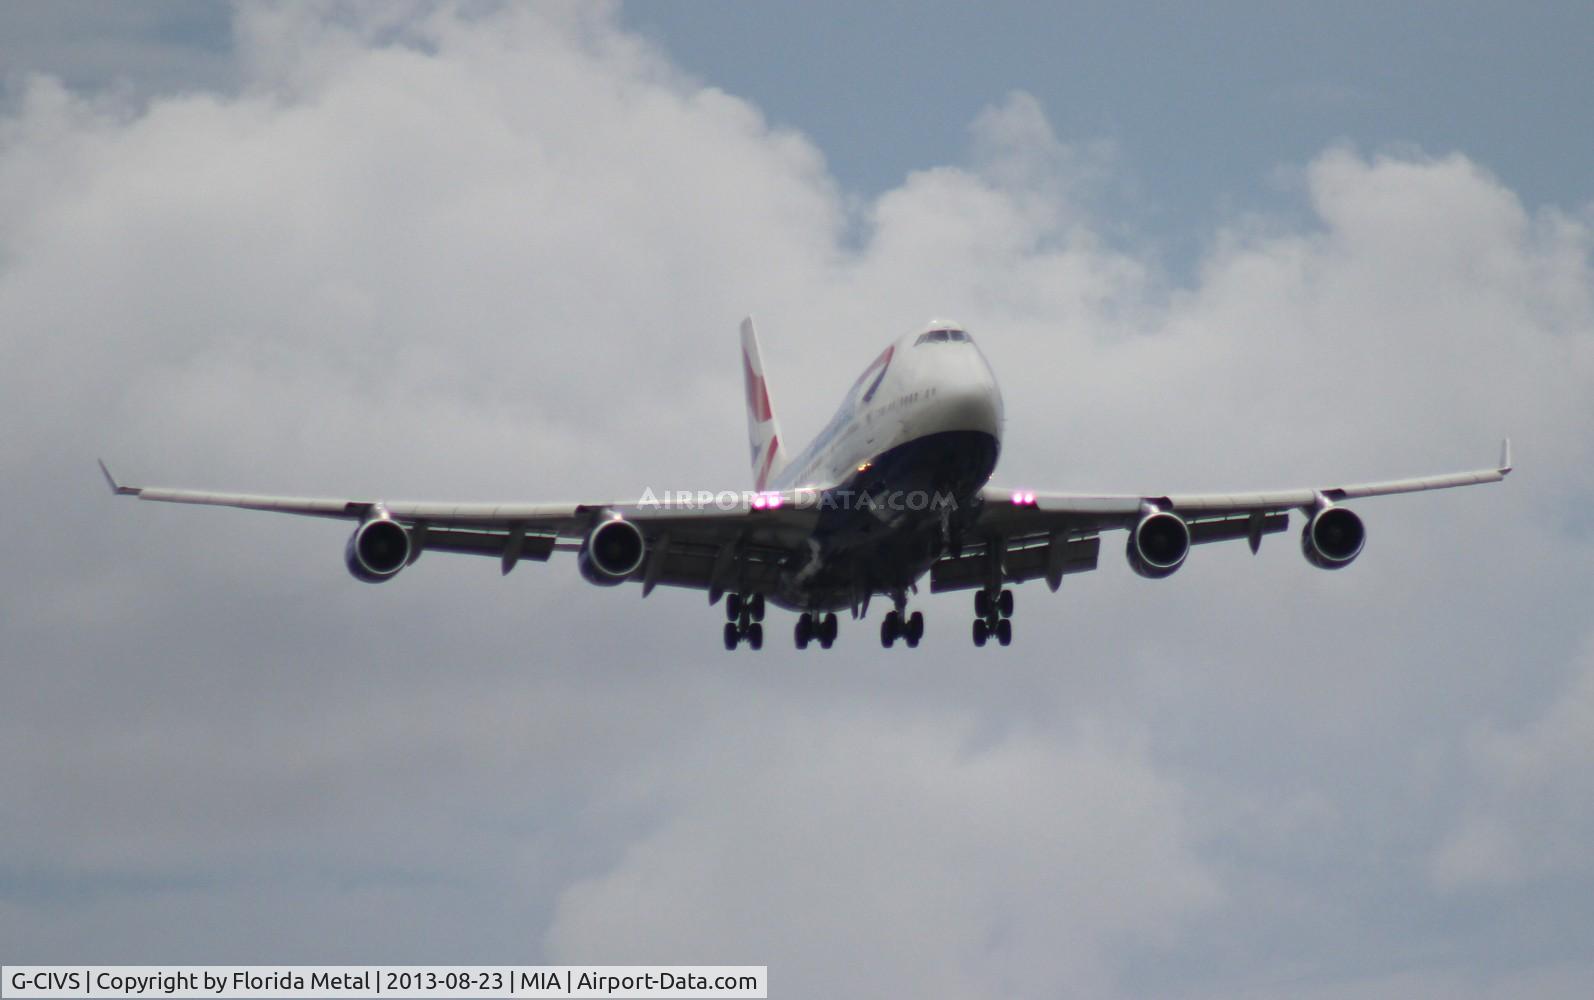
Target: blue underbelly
<point>885,524</point>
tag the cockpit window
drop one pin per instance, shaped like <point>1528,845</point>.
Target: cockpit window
<point>940,337</point>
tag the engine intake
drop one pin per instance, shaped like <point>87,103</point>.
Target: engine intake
<point>1158,545</point>
<point>611,552</point>
<point>1333,538</point>
<point>377,550</point>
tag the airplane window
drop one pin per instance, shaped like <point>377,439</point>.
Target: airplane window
<point>934,337</point>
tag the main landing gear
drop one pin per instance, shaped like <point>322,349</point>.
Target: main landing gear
<point>815,627</point>
<point>993,616</point>
<point>743,616</point>
<point>895,625</point>
<point>898,624</point>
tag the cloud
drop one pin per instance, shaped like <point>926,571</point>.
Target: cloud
<point>830,837</point>
<point>1528,816</point>
<point>484,253</point>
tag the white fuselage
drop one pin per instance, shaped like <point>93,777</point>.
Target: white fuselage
<point>899,468</point>
<point>914,391</point>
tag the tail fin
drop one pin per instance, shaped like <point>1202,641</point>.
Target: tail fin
<point>763,431</point>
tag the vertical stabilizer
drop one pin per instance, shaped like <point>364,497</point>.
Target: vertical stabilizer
<point>763,431</point>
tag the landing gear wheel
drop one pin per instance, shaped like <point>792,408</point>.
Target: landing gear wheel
<point>890,628</point>
<point>732,635</point>
<point>982,631</point>
<point>827,633</point>
<point>1004,603</point>
<point>804,633</point>
<point>755,607</point>
<point>755,636</point>
<point>913,631</point>
<point>982,604</point>
<point>1004,632</point>
<point>733,606</point>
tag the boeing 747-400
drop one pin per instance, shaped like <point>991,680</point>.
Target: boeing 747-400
<point>894,488</point>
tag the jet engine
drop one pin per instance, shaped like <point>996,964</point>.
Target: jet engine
<point>1158,544</point>
<point>377,550</point>
<point>1333,538</point>
<point>611,552</point>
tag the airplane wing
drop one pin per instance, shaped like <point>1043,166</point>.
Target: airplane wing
<point>1024,535</point>
<point>733,545</point>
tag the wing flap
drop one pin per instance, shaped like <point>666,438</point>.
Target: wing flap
<point>1223,529</point>
<point>1024,562</point>
<point>486,543</point>
<point>696,571</point>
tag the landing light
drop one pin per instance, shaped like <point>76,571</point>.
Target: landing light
<point>1023,498</point>
<point>767,501</point>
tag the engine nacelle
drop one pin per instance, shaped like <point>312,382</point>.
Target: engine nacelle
<point>611,552</point>
<point>377,550</point>
<point>1158,544</point>
<point>1333,538</point>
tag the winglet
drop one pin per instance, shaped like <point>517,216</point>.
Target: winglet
<point>1505,456</point>
<point>117,488</point>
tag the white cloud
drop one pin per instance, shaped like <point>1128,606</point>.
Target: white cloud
<point>1529,815</point>
<point>871,854</point>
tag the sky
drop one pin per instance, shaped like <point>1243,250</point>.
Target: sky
<point>495,253</point>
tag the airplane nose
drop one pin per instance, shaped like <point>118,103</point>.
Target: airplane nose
<point>971,402</point>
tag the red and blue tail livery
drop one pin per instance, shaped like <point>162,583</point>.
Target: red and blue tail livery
<point>763,432</point>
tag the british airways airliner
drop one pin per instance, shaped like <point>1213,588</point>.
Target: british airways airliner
<point>894,488</point>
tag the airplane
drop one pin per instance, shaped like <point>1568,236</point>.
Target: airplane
<point>895,487</point>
